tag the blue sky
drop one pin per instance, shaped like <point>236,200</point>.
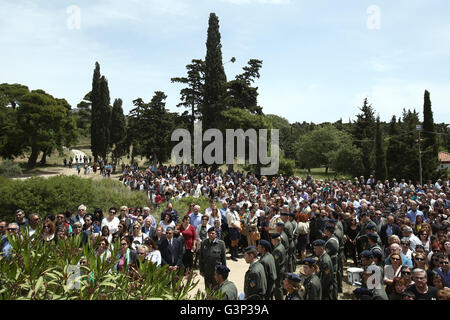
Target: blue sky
<point>320,58</point>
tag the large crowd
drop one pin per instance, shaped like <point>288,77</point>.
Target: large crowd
<point>297,235</point>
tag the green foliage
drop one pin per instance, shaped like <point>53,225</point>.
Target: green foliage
<point>380,157</point>
<point>182,206</point>
<point>150,126</point>
<point>287,167</point>
<point>61,193</point>
<point>39,270</point>
<point>215,78</point>
<point>46,122</point>
<point>118,130</point>
<point>364,133</point>
<point>430,148</point>
<point>9,168</point>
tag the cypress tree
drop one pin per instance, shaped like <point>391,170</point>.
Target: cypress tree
<point>117,129</point>
<point>380,157</point>
<point>394,156</point>
<point>215,78</point>
<point>430,148</point>
<point>104,113</point>
<point>95,113</point>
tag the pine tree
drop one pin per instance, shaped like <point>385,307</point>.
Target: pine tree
<point>430,148</point>
<point>410,148</point>
<point>215,78</point>
<point>380,157</point>
<point>364,134</point>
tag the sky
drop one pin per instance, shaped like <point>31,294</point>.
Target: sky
<point>320,58</point>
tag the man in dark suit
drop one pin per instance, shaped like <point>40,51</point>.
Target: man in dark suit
<point>389,229</point>
<point>80,216</point>
<point>172,251</point>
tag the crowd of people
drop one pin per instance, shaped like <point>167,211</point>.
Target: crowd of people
<point>296,234</point>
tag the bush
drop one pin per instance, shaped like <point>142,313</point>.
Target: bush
<point>39,270</point>
<point>60,193</point>
<point>287,167</point>
<point>182,206</point>
<point>9,168</point>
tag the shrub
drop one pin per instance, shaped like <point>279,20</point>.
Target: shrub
<point>9,168</point>
<point>182,206</point>
<point>287,167</point>
<point>40,270</point>
<point>60,193</point>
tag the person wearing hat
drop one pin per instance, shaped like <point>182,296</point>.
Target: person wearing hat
<point>279,255</point>
<point>378,291</point>
<point>292,220</point>
<point>268,262</point>
<point>289,230</point>
<point>363,294</point>
<point>212,253</point>
<point>313,287</point>
<point>225,286</point>
<point>326,269</point>
<point>361,237</point>
<point>292,284</point>
<point>339,233</point>
<point>373,229</point>
<point>332,248</point>
<point>255,283</point>
<point>376,250</point>
<point>284,240</point>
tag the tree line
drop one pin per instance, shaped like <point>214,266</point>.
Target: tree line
<point>37,122</point>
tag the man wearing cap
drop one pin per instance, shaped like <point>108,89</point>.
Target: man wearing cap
<point>378,292</point>
<point>255,283</point>
<point>375,249</point>
<point>313,287</point>
<point>332,248</point>
<point>279,255</point>
<point>289,230</point>
<point>339,233</point>
<point>294,225</point>
<point>225,286</point>
<point>284,240</point>
<point>361,237</point>
<point>326,269</point>
<point>212,253</point>
<point>268,262</point>
<point>292,284</point>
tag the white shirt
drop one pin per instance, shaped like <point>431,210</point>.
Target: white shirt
<point>154,257</point>
<point>113,225</point>
<point>165,226</point>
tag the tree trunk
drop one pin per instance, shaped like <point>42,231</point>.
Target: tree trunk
<point>44,157</point>
<point>33,157</point>
<point>326,170</point>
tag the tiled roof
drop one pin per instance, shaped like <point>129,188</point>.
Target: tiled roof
<point>444,157</point>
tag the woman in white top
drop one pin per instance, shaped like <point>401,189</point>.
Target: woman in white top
<point>153,255</point>
<point>102,249</point>
<point>215,215</point>
<point>111,221</point>
<point>167,222</point>
<point>392,270</point>
<point>138,235</point>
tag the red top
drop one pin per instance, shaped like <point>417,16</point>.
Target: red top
<point>189,235</point>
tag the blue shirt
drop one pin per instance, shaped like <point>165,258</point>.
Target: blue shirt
<point>405,261</point>
<point>411,215</point>
<point>446,277</point>
<point>7,248</point>
<point>196,220</point>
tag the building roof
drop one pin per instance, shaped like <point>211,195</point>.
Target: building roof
<point>444,157</point>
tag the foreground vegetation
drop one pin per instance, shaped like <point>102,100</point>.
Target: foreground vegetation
<point>39,270</point>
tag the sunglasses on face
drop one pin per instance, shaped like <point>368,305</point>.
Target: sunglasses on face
<point>46,226</point>
<point>443,262</point>
<point>395,259</point>
<point>11,229</point>
<point>419,259</point>
<point>141,253</point>
<point>406,272</point>
<point>124,244</point>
